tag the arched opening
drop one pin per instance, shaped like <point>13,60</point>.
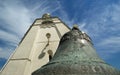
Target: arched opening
<point>50,53</point>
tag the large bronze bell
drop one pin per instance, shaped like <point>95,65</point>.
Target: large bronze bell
<point>76,56</point>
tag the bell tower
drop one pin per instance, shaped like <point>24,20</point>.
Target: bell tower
<point>37,46</point>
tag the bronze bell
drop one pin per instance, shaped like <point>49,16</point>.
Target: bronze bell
<point>76,56</point>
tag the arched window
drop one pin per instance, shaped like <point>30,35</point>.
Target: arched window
<point>50,53</point>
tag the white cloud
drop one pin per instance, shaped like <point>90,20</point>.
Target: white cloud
<point>17,17</point>
<point>65,17</point>
<point>108,20</point>
<point>116,13</point>
<point>109,46</point>
<point>45,6</point>
<point>110,26</point>
<point>5,52</point>
<point>0,49</point>
<point>82,27</point>
<point>111,41</point>
<point>5,36</point>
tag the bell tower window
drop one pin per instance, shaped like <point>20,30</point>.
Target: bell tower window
<point>50,53</point>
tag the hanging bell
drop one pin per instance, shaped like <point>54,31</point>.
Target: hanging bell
<point>76,56</point>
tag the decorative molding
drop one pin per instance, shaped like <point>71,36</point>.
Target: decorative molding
<point>21,59</point>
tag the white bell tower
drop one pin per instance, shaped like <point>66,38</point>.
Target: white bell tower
<point>37,46</point>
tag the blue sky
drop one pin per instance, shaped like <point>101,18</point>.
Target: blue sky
<point>100,19</point>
